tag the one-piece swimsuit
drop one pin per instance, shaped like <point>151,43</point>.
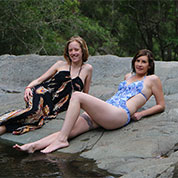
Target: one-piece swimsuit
<point>124,93</point>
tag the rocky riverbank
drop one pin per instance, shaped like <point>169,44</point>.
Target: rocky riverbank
<point>148,148</point>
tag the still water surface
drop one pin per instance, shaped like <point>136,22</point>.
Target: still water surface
<point>17,164</point>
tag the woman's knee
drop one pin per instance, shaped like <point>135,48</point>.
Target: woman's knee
<point>76,95</point>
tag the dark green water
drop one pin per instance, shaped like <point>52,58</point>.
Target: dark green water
<point>56,165</point>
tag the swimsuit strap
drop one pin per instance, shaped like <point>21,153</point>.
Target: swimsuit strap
<point>143,95</point>
<point>69,68</point>
<point>79,69</point>
<point>144,77</point>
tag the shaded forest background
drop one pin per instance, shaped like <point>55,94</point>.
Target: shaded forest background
<point>118,27</point>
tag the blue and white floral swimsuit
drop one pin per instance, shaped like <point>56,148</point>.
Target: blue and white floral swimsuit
<point>125,92</point>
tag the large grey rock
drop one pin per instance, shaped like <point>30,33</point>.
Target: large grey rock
<point>147,148</point>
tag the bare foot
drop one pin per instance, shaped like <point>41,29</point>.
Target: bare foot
<point>29,148</point>
<point>55,145</point>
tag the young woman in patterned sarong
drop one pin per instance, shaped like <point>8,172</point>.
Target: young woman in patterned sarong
<point>116,112</point>
<point>50,94</point>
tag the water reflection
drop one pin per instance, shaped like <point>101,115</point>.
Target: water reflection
<point>56,165</point>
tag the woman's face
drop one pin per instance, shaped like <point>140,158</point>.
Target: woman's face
<point>142,65</point>
<point>75,52</point>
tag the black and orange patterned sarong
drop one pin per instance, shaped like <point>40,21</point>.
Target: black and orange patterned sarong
<point>49,99</point>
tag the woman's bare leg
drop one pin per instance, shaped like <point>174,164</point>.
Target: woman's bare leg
<point>102,113</point>
<point>37,145</point>
<point>2,130</point>
<point>81,126</point>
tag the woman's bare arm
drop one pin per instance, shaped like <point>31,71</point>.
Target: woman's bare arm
<point>157,91</point>
<point>88,78</point>
<point>48,74</point>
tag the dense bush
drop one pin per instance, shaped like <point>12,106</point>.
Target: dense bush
<point>109,27</point>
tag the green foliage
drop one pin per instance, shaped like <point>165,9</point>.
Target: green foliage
<point>109,27</point>
<point>31,26</point>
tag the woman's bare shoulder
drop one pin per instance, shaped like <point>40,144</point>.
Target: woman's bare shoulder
<point>153,77</point>
<point>61,63</point>
<point>88,67</point>
<point>153,80</point>
<point>127,75</point>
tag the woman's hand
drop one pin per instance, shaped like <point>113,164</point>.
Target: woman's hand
<point>27,94</point>
<point>137,116</point>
